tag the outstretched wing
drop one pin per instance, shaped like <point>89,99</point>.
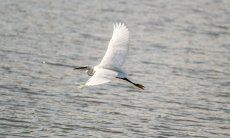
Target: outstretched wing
<point>101,76</point>
<point>118,48</point>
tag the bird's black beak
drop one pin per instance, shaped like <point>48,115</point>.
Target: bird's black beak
<point>80,68</point>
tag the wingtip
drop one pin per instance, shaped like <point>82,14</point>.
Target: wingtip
<point>121,25</point>
<point>114,26</point>
<point>81,86</point>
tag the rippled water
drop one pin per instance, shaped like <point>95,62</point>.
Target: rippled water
<point>180,50</point>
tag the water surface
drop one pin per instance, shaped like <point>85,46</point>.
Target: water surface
<point>178,49</point>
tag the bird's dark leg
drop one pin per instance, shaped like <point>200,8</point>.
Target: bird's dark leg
<point>137,85</point>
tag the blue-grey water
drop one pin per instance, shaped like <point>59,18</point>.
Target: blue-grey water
<point>180,51</point>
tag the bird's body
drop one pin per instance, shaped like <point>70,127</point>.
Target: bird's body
<point>113,60</point>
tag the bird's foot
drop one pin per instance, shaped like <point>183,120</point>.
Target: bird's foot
<point>139,86</point>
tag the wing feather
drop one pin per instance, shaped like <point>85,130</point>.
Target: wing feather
<point>101,76</point>
<point>117,49</point>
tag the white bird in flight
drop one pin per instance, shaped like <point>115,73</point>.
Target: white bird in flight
<point>111,64</point>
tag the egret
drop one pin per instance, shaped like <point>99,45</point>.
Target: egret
<point>111,64</point>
